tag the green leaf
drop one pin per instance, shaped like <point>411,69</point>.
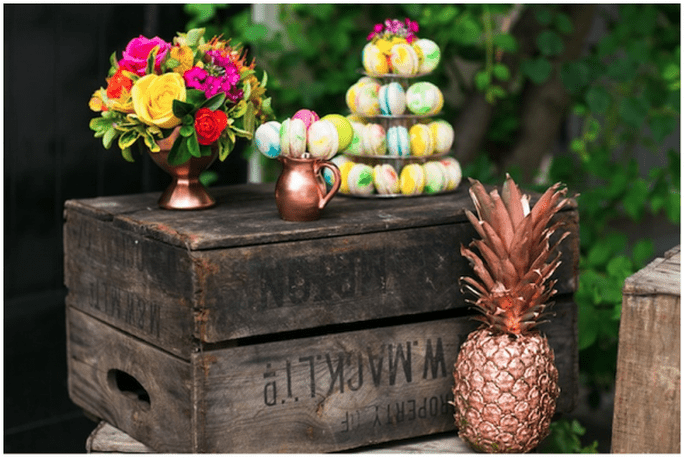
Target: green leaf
<point>506,42</point>
<point>127,139</point>
<point>249,118</point>
<point>255,32</point>
<point>673,207</point>
<point>205,150</point>
<point>543,15</point>
<point>501,72</point>
<point>194,37</point>
<point>193,146</point>
<point>226,145</point>
<point>186,130</point>
<point>563,23</point>
<point>620,267</point>
<point>550,43</point>
<point>171,63</point>
<point>643,250</point>
<point>633,110</point>
<point>188,120</point>
<point>214,102</point>
<point>588,327</point>
<point>150,68</point>
<point>538,70</point>
<point>661,126</point>
<point>181,109</point>
<point>621,69</point>
<point>126,154</point>
<point>598,99</point>
<point>575,76</point>
<point>482,80</point>
<point>195,97</point>
<point>207,178</point>
<point>179,153</point>
<point>108,137</point>
<point>635,199</point>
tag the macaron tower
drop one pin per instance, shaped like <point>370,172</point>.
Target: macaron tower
<point>398,143</point>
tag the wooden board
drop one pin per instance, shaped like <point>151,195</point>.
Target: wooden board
<point>329,392</point>
<point>647,399</point>
<point>106,438</point>
<point>176,278</point>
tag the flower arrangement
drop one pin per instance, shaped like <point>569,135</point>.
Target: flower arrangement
<point>393,31</point>
<point>206,89</point>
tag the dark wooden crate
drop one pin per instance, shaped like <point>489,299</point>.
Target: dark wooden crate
<point>647,399</point>
<point>328,335</point>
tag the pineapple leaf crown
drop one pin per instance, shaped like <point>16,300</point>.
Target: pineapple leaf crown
<point>514,265</point>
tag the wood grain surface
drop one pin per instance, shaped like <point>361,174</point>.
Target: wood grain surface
<point>647,399</point>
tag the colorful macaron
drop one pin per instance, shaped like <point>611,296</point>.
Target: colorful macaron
<point>421,140</point>
<point>398,141</point>
<point>374,60</point>
<point>356,146</point>
<point>403,59</point>
<point>436,177</point>
<point>338,161</point>
<point>344,169</point>
<point>385,179</point>
<point>360,179</point>
<point>429,54</point>
<point>454,174</point>
<point>268,139</point>
<point>344,128</point>
<point>443,136</point>
<point>366,100</point>
<point>424,98</point>
<point>392,99</point>
<point>307,116</point>
<point>412,179</point>
<point>322,139</point>
<point>373,140</point>
<point>293,136</point>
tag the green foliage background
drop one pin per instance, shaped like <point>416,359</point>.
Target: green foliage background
<point>625,93</point>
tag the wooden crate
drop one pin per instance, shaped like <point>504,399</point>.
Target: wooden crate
<point>216,330</point>
<point>647,399</point>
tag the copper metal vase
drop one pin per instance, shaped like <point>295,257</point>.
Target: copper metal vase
<point>185,192</point>
<point>301,189</point>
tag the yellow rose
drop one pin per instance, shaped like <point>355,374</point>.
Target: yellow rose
<point>153,96</point>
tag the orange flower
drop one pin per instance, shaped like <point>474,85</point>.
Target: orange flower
<point>184,55</point>
<point>118,84</point>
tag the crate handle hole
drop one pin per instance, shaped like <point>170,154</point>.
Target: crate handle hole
<point>129,387</point>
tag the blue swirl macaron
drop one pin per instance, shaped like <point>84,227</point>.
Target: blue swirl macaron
<point>268,140</point>
<point>398,141</point>
<point>392,99</point>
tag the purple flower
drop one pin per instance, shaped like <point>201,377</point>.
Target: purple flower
<point>195,78</point>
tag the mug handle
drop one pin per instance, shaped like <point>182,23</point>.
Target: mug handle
<point>318,166</point>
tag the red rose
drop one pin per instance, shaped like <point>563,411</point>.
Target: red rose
<point>209,125</point>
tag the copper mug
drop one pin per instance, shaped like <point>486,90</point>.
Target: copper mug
<point>301,189</point>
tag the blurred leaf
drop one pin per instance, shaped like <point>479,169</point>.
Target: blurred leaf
<point>563,23</point>
<point>620,267</point>
<point>662,126</point>
<point>506,42</point>
<point>588,328</point>
<point>501,72</point>
<point>598,99</point>
<point>543,16</point>
<point>575,76</point>
<point>633,110</point>
<point>550,43</point>
<point>538,70</point>
<point>643,250</point>
<point>635,198</point>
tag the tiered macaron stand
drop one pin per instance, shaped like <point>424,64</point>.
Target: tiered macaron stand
<point>387,121</point>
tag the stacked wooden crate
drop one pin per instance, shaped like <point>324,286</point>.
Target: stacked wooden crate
<point>647,400</point>
<point>230,330</point>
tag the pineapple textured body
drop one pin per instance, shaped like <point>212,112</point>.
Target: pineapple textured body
<point>505,390</point>
<point>506,384</point>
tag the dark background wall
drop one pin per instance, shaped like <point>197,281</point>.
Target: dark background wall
<point>56,56</point>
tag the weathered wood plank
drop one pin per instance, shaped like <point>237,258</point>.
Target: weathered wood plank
<point>647,399</point>
<point>124,278</point>
<point>139,285</point>
<point>247,215</point>
<point>331,392</point>
<point>108,439</point>
<point>102,364</point>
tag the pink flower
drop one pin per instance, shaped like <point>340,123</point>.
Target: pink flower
<point>412,26</point>
<point>136,53</point>
<point>195,78</point>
